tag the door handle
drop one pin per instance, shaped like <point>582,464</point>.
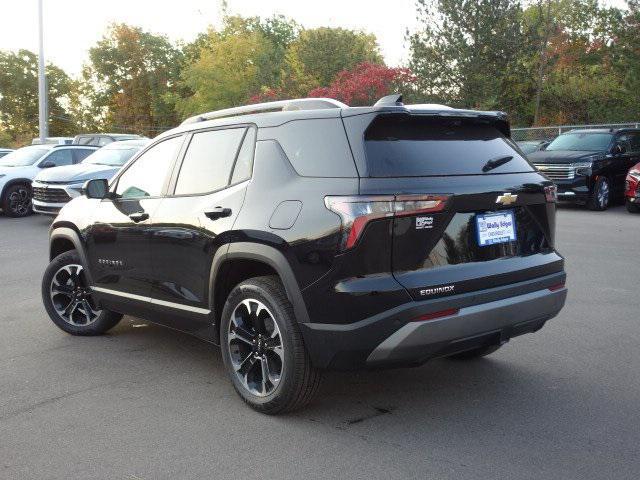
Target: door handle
<point>217,212</point>
<point>138,216</point>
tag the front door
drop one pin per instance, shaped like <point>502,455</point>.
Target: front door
<point>193,223</point>
<point>118,239</point>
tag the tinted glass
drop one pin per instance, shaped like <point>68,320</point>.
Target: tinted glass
<point>113,157</point>
<point>591,142</point>
<point>60,157</point>
<point>244,163</point>
<point>316,147</point>
<point>146,177</point>
<point>208,161</point>
<point>79,154</point>
<point>635,142</point>
<point>23,157</point>
<point>416,147</point>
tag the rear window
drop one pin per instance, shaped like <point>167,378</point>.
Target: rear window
<point>419,147</point>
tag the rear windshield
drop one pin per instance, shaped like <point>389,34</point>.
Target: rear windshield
<point>419,146</point>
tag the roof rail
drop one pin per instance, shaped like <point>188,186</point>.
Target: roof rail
<point>279,106</point>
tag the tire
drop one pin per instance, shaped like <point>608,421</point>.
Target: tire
<point>16,201</point>
<point>632,207</point>
<point>260,339</point>
<point>600,197</point>
<point>475,353</point>
<point>65,289</point>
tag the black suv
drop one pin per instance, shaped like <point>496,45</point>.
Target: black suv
<point>307,235</point>
<point>590,166</point>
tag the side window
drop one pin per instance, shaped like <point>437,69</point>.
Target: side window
<point>635,142</point>
<point>244,162</point>
<point>79,154</point>
<point>102,141</point>
<point>208,161</point>
<point>624,140</point>
<point>146,176</point>
<point>60,157</point>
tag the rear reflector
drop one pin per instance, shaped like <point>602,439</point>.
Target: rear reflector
<point>434,315</point>
<point>356,211</point>
<point>559,286</point>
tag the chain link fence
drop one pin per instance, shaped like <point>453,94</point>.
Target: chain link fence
<point>549,133</point>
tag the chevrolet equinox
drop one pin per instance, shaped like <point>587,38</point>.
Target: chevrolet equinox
<point>307,235</point>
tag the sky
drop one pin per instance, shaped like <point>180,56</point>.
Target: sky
<point>73,26</point>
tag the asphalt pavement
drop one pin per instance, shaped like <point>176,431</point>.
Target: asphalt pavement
<point>145,402</point>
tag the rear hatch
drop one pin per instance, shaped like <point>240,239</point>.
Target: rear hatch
<point>495,225</point>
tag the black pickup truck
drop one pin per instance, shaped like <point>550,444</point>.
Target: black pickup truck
<point>590,166</point>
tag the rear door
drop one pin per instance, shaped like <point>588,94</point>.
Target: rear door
<point>193,222</point>
<point>496,225</point>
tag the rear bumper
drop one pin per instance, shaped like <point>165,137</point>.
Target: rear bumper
<point>488,317</point>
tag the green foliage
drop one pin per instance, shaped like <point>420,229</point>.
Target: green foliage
<point>318,55</point>
<point>19,98</point>
<point>130,72</point>
<point>550,61</point>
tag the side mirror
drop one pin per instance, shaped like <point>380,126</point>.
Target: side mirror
<point>618,149</point>
<point>96,188</point>
<point>47,165</point>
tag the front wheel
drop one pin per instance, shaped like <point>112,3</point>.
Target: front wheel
<point>67,298</point>
<point>601,195</point>
<point>632,207</point>
<point>16,201</point>
<point>263,350</point>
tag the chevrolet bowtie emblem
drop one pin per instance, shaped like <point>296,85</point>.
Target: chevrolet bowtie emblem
<point>507,199</point>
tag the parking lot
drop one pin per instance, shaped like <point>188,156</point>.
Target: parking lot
<point>145,402</point>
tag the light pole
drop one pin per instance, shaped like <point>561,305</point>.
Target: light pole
<point>42,81</point>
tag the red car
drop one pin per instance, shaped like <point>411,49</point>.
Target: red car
<point>632,191</point>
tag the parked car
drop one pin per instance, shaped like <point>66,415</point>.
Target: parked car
<point>5,151</point>
<point>589,166</point>
<point>305,235</point>
<point>530,146</point>
<point>53,141</point>
<point>54,187</point>
<point>19,168</point>
<point>632,191</point>
<point>102,139</point>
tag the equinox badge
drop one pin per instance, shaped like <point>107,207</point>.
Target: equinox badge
<point>507,199</point>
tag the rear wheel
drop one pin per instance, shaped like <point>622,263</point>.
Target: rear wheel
<point>475,353</point>
<point>16,201</point>
<point>263,350</point>
<point>601,195</point>
<point>632,207</point>
<point>67,298</point>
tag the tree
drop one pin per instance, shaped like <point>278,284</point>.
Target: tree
<point>19,97</point>
<point>318,55</point>
<point>131,71</point>
<point>465,50</point>
<point>366,83</point>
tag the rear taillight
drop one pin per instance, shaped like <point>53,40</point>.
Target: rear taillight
<point>357,211</point>
<point>551,193</point>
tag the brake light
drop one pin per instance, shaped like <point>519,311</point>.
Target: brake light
<point>357,211</point>
<point>434,315</point>
<point>551,193</point>
<point>556,287</point>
